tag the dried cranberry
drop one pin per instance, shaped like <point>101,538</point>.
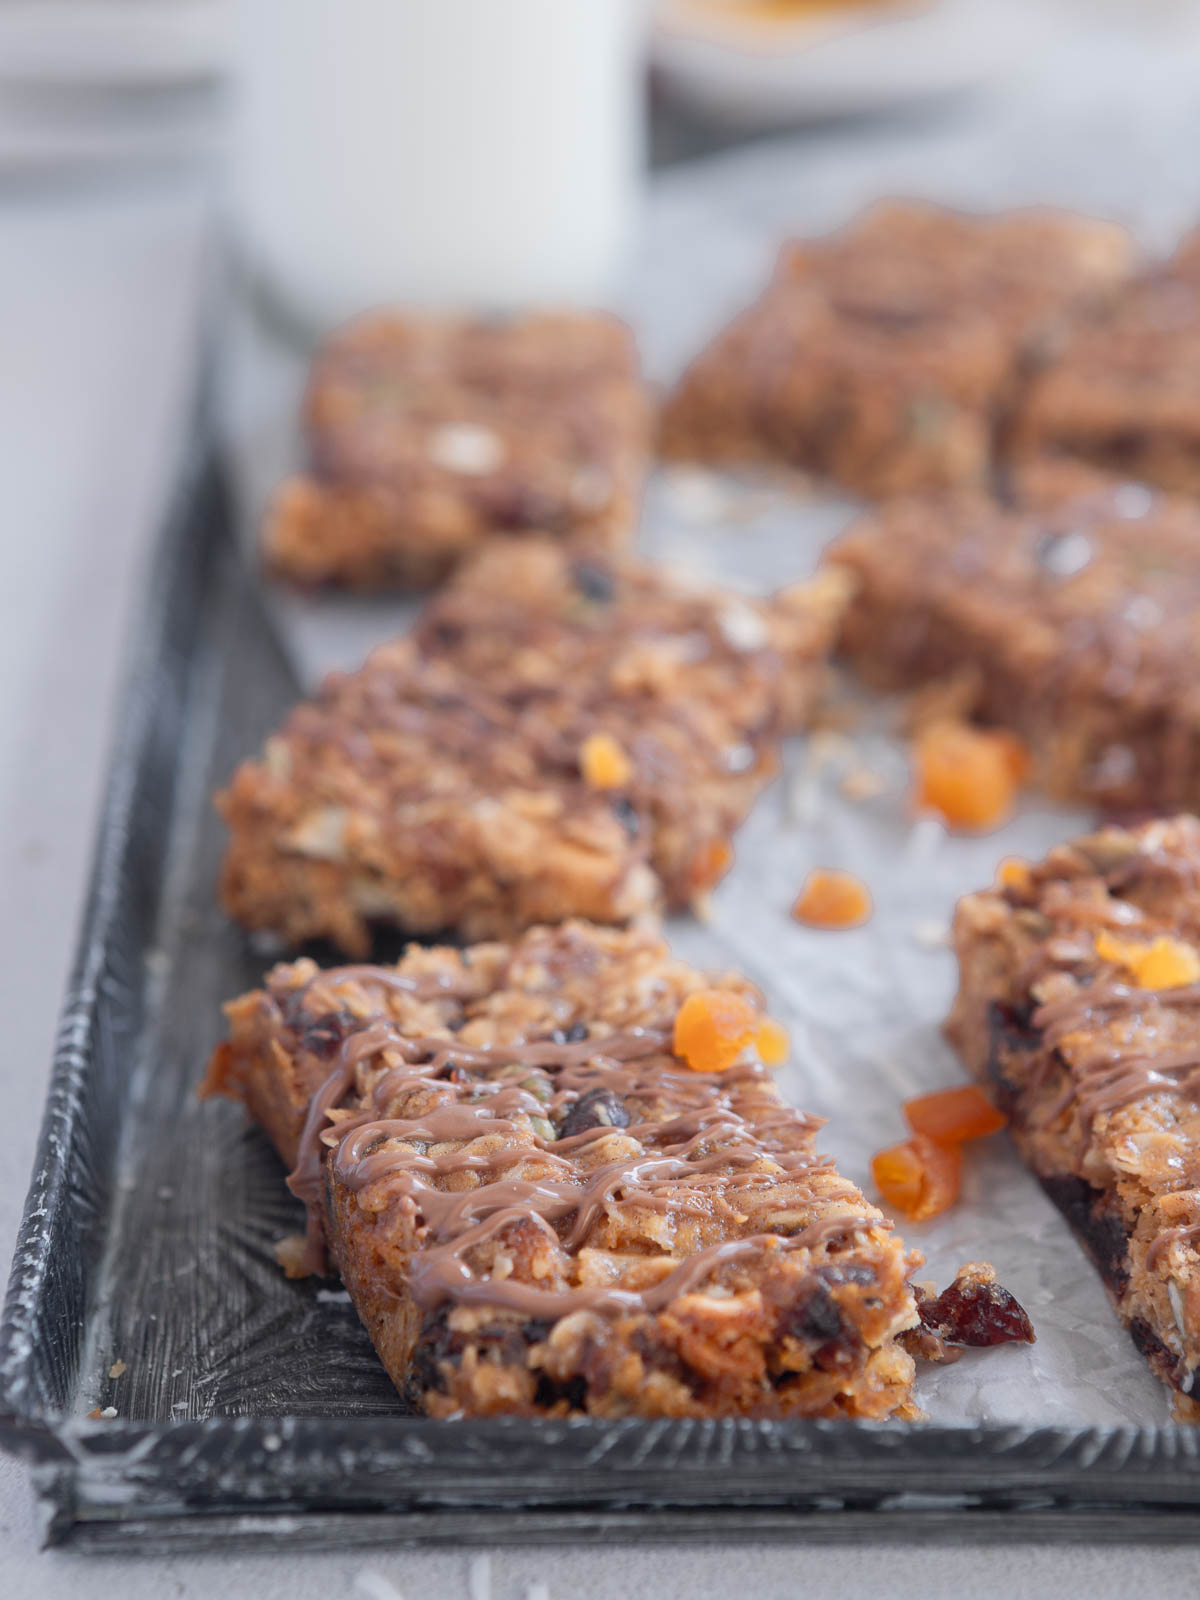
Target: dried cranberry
<point>593,582</point>
<point>974,1311</point>
<point>599,1108</point>
<point>626,814</point>
<point>520,505</point>
<point>442,634</point>
<point>325,1034</point>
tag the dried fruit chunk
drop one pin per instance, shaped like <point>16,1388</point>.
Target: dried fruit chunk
<point>598,1108</point>
<point>1014,874</point>
<point>952,1116</point>
<point>713,1027</point>
<point>711,863</point>
<point>920,1177</point>
<point>1164,963</point>
<point>603,763</point>
<point>976,1310</point>
<point>772,1043</point>
<point>830,899</point>
<point>969,775</point>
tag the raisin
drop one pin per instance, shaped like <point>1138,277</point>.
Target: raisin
<point>325,1034</point>
<point>537,1330</point>
<point>437,1343</point>
<point>572,1390</point>
<point>593,582</point>
<point>520,505</point>
<point>817,1319</point>
<point>1126,445</point>
<point>626,814</point>
<point>442,634</point>
<point>440,1345</point>
<point>577,1032</point>
<point>598,1108</point>
<point>975,1312</point>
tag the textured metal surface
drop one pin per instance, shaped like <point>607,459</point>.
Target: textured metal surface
<point>252,1409</point>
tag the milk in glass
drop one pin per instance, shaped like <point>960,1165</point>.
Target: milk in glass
<point>435,152</point>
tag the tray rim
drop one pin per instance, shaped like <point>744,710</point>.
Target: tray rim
<point>124,1484</point>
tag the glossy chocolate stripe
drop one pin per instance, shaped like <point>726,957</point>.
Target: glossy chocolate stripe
<point>727,1133</point>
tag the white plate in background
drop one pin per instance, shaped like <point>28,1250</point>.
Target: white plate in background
<point>736,60</point>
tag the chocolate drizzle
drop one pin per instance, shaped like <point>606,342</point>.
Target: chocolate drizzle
<point>497,1107</point>
<point>1111,1075</point>
<point>1188,1233</point>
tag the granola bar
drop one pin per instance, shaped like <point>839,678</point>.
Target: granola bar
<point>1079,1001</point>
<point>1125,395</point>
<point>1074,621</point>
<point>888,356</point>
<point>539,1208</point>
<point>564,735</point>
<point>428,435</point>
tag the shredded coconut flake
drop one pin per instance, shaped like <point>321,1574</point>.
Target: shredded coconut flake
<point>466,448</point>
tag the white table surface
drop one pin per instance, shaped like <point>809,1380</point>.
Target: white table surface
<point>98,296</point>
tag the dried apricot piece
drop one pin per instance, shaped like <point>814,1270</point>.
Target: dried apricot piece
<point>830,899</point>
<point>1015,752</point>
<point>772,1043</point>
<point>603,762</point>
<point>951,1116</point>
<point>1013,873</point>
<point>713,1027</point>
<point>898,1174</point>
<point>1164,963</point>
<point>710,864</point>
<point>969,775</point>
<point>920,1177</point>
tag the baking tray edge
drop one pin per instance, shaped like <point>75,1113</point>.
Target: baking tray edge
<point>263,1481</point>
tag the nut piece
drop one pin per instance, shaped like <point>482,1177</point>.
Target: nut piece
<point>466,448</point>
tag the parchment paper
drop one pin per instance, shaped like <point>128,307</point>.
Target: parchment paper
<point>863,1007</point>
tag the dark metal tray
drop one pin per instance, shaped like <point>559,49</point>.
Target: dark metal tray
<point>252,1409</point>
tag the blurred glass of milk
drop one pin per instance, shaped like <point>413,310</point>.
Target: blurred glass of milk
<point>436,152</point>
